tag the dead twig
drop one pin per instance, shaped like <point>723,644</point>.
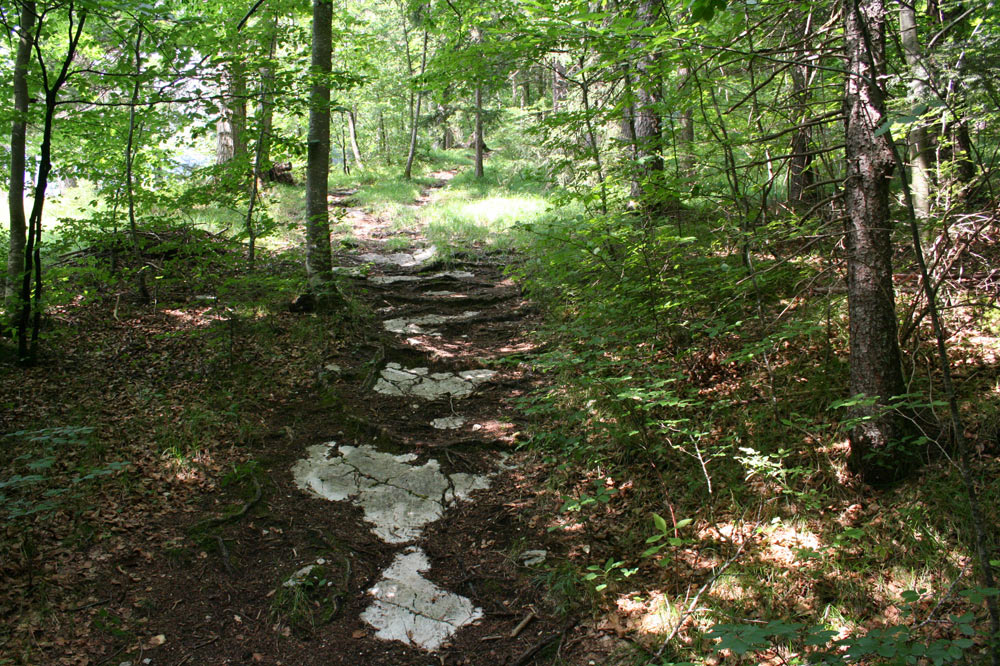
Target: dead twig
<point>190,655</point>
<point>516,631</point>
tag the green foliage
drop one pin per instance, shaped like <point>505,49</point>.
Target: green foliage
<point>896,645</point>
<point>665,536</point>
<point>53,473</point>
<point>312,596</point>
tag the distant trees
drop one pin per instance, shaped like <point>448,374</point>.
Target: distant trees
<point>779,116</point>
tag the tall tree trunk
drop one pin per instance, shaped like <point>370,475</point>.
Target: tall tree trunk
<point>558,84</point>
<point>231,126</point>
<point>415,118</point>
<point>265,108</point>
<point>918,152</point>
<point>647,180</point>
<point>343,145</point>
<point>18,146</point>
<point>479,131</point>
<point>140,276</point>
<point>352,128</point>
<point>383,138</point>
<point>318,261</point>
<point>685,135</point>
<point>30,302</point>
<point>800,173</point>
<point>878,450</point>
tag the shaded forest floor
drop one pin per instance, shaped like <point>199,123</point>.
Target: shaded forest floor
<point>175,523</point>
<point>152,511</point>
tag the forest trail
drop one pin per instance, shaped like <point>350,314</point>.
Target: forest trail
<point>393,529</point>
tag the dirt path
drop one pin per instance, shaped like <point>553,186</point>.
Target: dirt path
<point>384,524</point>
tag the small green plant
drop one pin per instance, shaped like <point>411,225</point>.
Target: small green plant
<point>612,571</point>
<point>311,596</point>
<point>602,495</point>
<point>41,482</point>
<point>665,535</point>
<point>897,645</point>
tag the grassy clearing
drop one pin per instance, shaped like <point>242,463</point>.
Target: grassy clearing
<point>488,213</point>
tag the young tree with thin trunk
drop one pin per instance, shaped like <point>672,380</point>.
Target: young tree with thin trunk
<point>415,109</point>
<point>478,138</point>
<point>352,130</point>
<point>52,83</point>
<point>18,147</point>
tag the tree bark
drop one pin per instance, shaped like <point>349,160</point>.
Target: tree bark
<point>18,146</point>
<point>479,131</point>
<point>647,180</point>
<point>265,108</point>
<point>30,309</point>
<point>383,138</point>
<point>918,152</point>
<point>140,276</point>
<point>231,126</point>
<point>558,84</point>
<point>318,261</point>
<point>685,136</point>
<point>800,173</point>
<point>415,116</point>
<point>878,447</point>
<point>352,129</point>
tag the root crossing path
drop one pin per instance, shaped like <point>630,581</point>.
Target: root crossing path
<point>398,527</point>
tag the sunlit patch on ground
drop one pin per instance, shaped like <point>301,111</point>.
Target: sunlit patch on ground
<point>421,325</point>
<point>401,259</point>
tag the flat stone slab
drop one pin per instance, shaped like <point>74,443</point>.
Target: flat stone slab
<point>397,497</point>
<point>419,325</point>
<point>392,279</point>
<point>401,259</point>
<point>396,380</point>
<point>411,609</point>
<point>449,422</point>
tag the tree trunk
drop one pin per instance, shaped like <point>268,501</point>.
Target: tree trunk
<point>479,131</point>
<point>685,137</point>
<point>415,117</point>
<point>647,180</point>
<point>231,126</point>
<point>352,128</point>
<point>343,146</point>
<point>558,84</point>
<point>140,275</point>
<point>918,153</point>
<point>318,262</point>
<point>30,299</point>
<point>878,447</point>
<point>383,138</point>
<point>800,173</point>
<point>18,146</point>
<point>265,108</point>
